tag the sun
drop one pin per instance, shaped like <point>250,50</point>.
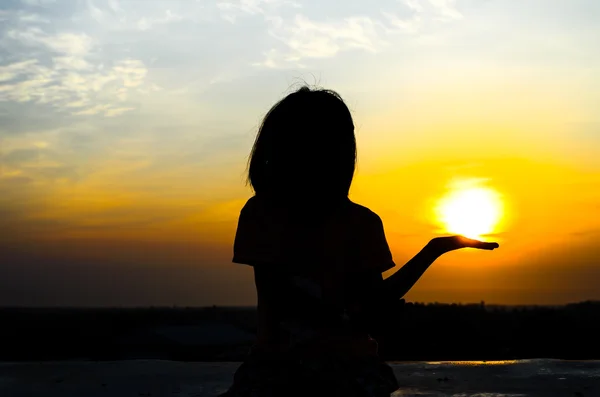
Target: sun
<point>471,211</point>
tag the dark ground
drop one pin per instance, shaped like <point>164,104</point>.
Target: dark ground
<point>423,332</point>
<point>160,378</point>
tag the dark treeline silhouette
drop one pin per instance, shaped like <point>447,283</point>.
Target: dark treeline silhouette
<point>421,332</point>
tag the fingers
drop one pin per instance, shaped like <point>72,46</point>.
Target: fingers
<point>488,246</point>
<point>484,245</point>
<point>471,243</point>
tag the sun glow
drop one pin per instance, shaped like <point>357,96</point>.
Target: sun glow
<point>470,210</point>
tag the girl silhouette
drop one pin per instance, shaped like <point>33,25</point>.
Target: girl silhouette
<point>318,258</point>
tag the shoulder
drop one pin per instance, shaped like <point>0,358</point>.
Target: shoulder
<point>256,213</point>
<point>250,203</point>
<point>250,239</point>
<point>372,250</point>
<point>363,214</point>
<point>253,205</point>
<point>249,216</point>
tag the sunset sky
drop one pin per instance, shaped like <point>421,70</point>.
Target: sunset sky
<point>125,128</point>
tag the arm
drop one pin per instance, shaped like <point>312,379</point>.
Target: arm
<point>382,292</point>
<point>382,296</point>
<point>399,283</point>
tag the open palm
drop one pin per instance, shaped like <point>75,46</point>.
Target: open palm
<point>451,243</point>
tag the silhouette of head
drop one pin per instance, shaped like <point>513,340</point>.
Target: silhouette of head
<point>305,148</point>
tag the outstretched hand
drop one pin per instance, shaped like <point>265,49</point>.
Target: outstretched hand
<point>451,243</point>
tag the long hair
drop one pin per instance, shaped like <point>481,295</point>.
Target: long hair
<point>305,148</point>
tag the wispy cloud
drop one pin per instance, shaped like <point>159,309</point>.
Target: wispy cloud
<point>299,37</point>
<point>438,9</point>
<point>68,75</point>
<point>232,10</point>
<point>33,18</point>
<point>420,13</point>
<point>405,25</point>
<point>39,3</point>
<point>72,83</point>
<point>37,163</point>
<point>147,23</point>
<point>446,9</point>
<point>20,156</point>
<point>305,38</point>
<point>128,16</point>
<point>61,43</point>
<point>415,5</point>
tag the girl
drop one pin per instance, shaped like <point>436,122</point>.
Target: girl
<point>318,258</point>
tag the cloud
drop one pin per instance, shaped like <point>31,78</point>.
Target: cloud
<point>131,71</point>
<point>20,156</point>
<point>72,82</point>
<point>61,43</point>
<point>304,38</point>
<point>15,181</point>
<point>69,76</point>
<point>408,25</point>
<point>414,5</point>
<point>9,72</point>
<point>58,172</point>
<point>96,13</point>
<point>39,3</point>
<point>146,23</point>
<point>66,69</point>
<point>437,9</point>
<point>22,166</point>
<point>420,13</point>
<point>126,16</point>
<point>299,37</point>
<point>90,110</point>
<point>445,9</point>
<point>71,63</point>
<point>33,18</point>
<point>107,110</point>
<point>113,112</point>
<point>231,10</point>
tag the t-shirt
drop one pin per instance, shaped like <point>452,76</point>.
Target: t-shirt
<point>316,258</point>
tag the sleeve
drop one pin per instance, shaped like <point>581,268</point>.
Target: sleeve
<point>251,244</point>
<point>245,237</point>
<point>374,252</point>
